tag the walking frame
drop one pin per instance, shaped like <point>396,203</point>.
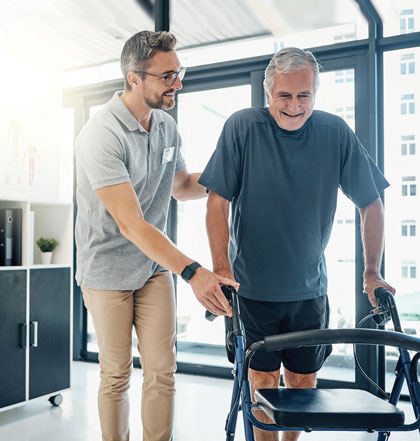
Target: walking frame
<point>322,409</point>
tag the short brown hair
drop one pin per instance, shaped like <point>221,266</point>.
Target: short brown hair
<point>141,47</point>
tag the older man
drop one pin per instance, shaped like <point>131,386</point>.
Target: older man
<point>280,168</point>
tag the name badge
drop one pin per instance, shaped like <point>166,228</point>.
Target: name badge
<point>168,155</point>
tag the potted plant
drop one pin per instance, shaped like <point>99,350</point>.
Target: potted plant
<point>46,247</point>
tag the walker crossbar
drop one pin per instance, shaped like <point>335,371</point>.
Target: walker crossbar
<point>334,336</point>
<point>324,409</point>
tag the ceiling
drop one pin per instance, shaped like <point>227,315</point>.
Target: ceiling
<point>79,33</point>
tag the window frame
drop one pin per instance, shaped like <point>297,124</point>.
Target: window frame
<point>369,127</point>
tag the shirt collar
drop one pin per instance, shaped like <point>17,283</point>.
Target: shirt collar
<point>120,110</point>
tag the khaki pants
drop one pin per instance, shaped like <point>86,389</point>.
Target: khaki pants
<point>151,310</point>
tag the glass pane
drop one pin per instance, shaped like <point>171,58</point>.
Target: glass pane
<point>338,98</point>
<point>398,16</point>
<point>402,253</point>
<point>201,116</point>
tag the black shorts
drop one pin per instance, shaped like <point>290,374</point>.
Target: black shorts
<point>269,318</point>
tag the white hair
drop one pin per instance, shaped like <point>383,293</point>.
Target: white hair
<point>288,60</point>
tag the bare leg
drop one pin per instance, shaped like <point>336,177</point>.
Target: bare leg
<point>262,380</point>
<point>297,381</point>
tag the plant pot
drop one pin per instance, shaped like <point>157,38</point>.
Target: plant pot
<point>46,258</point>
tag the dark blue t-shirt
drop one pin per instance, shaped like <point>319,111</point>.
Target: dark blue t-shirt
<point>283,189</point>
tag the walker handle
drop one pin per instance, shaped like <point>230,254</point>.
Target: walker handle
<point>386,301</point>
<point>227,291</point>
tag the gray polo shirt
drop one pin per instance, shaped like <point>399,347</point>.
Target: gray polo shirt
<point>111,149</point>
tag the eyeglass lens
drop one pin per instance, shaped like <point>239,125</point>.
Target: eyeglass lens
<point>170,79</point>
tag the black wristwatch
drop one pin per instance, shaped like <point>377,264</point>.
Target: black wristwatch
<point>189,271</point>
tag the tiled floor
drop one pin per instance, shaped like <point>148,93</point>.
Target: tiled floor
<point>201,407</point>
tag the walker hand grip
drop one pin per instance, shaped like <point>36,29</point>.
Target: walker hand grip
<point>227,291</point>
<point>210,316</point>
<point>383,297</point>
<point>386,301</point>
<point>383,316</point>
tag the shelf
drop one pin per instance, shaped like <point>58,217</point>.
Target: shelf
<point>49,219</point>
<point>52,221</point>
<point>12,268</point>
<point>24,206</point>
<point>57,265</point>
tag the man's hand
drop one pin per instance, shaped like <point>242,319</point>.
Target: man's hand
<point>371,281</point>
<point>206,287</point>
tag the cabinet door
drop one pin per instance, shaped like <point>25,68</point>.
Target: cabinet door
<point>49,354</point>
<point>12,336</point>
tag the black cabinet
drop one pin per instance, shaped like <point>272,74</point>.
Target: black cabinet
<point>49,350</point>
<point>12,337</point>
<point>35,333</point>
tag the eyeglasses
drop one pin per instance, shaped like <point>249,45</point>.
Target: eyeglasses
<point>169,78</point>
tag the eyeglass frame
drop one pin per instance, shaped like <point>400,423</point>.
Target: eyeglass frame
<point>179,74</point>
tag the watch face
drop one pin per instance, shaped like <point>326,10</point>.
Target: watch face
<point>189,271</point>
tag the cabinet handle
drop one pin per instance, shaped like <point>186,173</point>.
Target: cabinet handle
<point>34,334</point>
<point>23,328</point>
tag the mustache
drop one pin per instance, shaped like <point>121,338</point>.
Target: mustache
<point>169,91</point>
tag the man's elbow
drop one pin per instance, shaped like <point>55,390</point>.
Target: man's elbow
<point>179,194</point>
<point>128,226</point>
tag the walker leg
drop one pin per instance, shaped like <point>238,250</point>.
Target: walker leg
<point>230,426</point>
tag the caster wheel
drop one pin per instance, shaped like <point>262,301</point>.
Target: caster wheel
<point>56,400</point>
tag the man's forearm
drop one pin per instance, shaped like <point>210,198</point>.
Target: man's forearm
<point>217,223</point>
<point>372,230</point>
<point>156,245</point>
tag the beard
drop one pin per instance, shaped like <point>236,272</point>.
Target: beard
<point>159,102</point>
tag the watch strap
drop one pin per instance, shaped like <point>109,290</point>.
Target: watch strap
<point>189,271</point>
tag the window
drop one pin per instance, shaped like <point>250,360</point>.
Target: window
<point>407,65</point>
<point>344,76</point>
<point>347,113</point>
<point>408,228</point>
<point>340,252</point>
<point>407,104</point>
<point>408,188</point>
<point>345,221</point>
<point>199,112</point>
<point>408,145</point>
<point>408,270</point>
<point>406,21</point>
<point>402,212</point>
